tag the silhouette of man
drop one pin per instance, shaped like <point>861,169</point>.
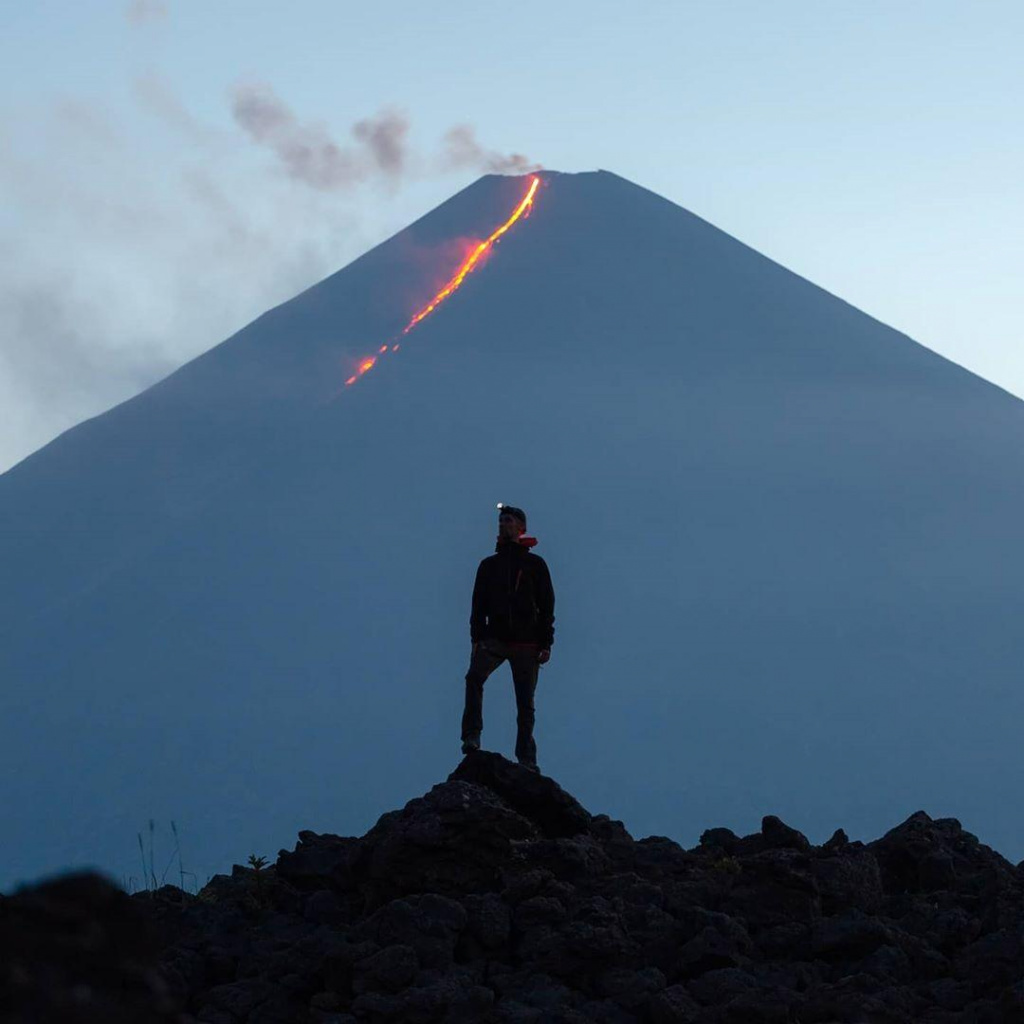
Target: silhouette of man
<point>513,619</point>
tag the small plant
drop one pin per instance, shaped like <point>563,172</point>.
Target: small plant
<point>258,864</point>
<point>149,878</point>
<point>147,871</point>
<point>729,865</point>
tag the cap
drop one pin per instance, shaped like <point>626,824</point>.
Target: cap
<point>511,510</point>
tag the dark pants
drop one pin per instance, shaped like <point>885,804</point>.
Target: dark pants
<point>489,654</point>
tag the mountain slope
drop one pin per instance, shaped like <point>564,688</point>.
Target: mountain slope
<point>782,538</point>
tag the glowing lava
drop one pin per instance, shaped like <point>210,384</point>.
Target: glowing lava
<point>476,255</point>
<point>364,365</point>
<point>467,265</point>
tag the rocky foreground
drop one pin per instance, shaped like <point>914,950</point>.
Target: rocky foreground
<point>497,898</point>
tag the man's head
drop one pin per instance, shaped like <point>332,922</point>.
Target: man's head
<point>511,522</point>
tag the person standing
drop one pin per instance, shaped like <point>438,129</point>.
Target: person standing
<point>513,619</point>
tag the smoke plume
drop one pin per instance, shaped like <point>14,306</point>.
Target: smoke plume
<point>462,150</point>
<point>385,140</point>
<point>143,12</point>
<point>380,150</point>
<point>309,154</point>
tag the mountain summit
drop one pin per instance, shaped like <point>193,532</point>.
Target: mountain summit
<point>783,537</point>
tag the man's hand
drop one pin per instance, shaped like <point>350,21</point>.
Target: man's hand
<point>543,656</point>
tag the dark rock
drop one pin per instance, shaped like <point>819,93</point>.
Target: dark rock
<point>488,926</point>
<point>596,1011</point>
<point>617,843</point>
<point>993,961</point>
<point>393,968</point>
<point>324,907</point>
<point>496,898</point>
<point>579,857</point>
<point>658,856</point>
<point>337,969</point>
<point>539,910</point>
<point>925,961</point>
<point>656,932</point>
<point>721,985</point>
<point>239,998</point>
<point>321,861</point>
<point>429,924</point>
<point>77,948</point>
<point>945,994</point>
<point>789,941</point>
<point>535,990</point>
<point>454,840</point>
<point>722,943</point>
<point>1011,1001</point>
<point>674,1005</point>
<point>536,797</point>
<point>631,989</point>
<point>925,855</point>
<point>850,881</point>
<point>850,936</point>
<point>723,839</point>
<point>947,928</point>
<point>774,887</point>
<point>634,890</point>
<point>325,1001</point>
<point>836,842</point>
<point>887,963</point>
<point>524,884</point>
<point>778,835</point>
<point>211,1015</point>
<point>794,977</point>
<point>759,1007</point>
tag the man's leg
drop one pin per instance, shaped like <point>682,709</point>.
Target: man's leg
<point>524,675</point>
<point>481,664</point>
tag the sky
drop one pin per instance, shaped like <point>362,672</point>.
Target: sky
<point>171,169</point>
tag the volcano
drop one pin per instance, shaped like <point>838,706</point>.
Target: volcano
<point>784,541</point>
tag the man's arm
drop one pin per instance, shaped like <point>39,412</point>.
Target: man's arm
<point>477,615</point>
<point>545,606</point>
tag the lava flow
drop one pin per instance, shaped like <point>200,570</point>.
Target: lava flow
<point>467,265</point>
<point>476,255</point>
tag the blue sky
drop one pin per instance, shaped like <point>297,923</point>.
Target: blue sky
<point>875,148</point>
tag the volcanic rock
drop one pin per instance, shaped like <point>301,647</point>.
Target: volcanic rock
<point>497,898</point>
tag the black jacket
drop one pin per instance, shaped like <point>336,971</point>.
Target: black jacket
<point>513,599</point>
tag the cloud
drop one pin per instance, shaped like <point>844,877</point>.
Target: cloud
<point>120,268</point>
<point>60,352</point>
<point>55,367</point>
<point>158,98</point>
<point>89,122</point>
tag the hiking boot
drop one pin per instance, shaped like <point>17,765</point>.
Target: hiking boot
<point>468,746</point>
<point>530,766</point>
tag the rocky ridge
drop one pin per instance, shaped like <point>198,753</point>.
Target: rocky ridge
<point>496,897</point>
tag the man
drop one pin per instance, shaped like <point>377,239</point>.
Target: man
<point>513,619</point>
